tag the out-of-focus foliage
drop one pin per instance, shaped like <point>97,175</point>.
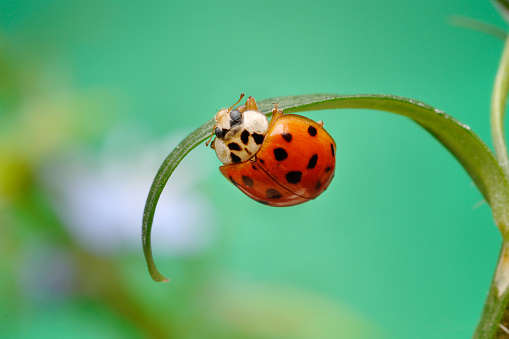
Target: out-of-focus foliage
<point>94,94</point>
<point>70,206</point>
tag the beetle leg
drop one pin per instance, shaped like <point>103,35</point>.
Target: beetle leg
<point>251,104</point>
<point>275,114</point>
<point>208,141</point>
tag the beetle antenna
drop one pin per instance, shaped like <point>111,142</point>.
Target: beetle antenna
<point>241,96</point>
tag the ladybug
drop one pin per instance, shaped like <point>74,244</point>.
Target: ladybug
<point>286,162</point>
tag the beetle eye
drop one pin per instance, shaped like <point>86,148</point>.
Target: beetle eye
<point>235,115</point>
<point>218,132</point>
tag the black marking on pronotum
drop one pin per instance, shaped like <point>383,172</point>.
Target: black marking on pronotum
<point>244,137</point>
<point>247,181</point>
<point>235,158</point>
<point>287,136</point>
<point>312,131</point>
<point>272,193</point>
<point>332,149</point>
<point>293,177</point>
<point>280,154</point>
<point>258,138</point>
<point>233,181</point>
<point>234,146</point>
<point>312,161</point>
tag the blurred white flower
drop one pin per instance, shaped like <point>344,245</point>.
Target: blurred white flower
<point>101,197</point>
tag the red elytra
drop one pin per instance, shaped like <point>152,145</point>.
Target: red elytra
<point>295,163</point>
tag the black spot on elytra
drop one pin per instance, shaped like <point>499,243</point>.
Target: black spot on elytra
<point>247,181</point>
<point>254,167</point>
<point>287,136</point>
<point>318,185</point>
<point>312,161</point>
<point>258,138</point>
<point>263,202</point>
<point>327,170</point>
<point>244,137</point>
<point>261,160</point>
<point>234,146</point>
<point>235,158</point>
<point>272,193</point>
<point>280,154</point>
<point>332,149</point>
<point>233,181</point>
<point>293,177</point>
<point>312,131</point>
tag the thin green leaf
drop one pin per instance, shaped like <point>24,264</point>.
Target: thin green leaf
<point>466,146</point>
<point>163,174</point>
<point>498,104</point>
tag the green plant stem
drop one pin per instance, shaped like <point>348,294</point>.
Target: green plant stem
<point>495,317</point>
<point>495,309</point>
<point>498,104</point>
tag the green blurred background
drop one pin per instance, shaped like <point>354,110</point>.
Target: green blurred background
<point>95,94</point>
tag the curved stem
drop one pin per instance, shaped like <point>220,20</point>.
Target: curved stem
<point>494,318</point>
<point>498,104</point>
<point>466,146</point>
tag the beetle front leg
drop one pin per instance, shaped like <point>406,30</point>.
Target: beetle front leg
<point>275,114</point>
